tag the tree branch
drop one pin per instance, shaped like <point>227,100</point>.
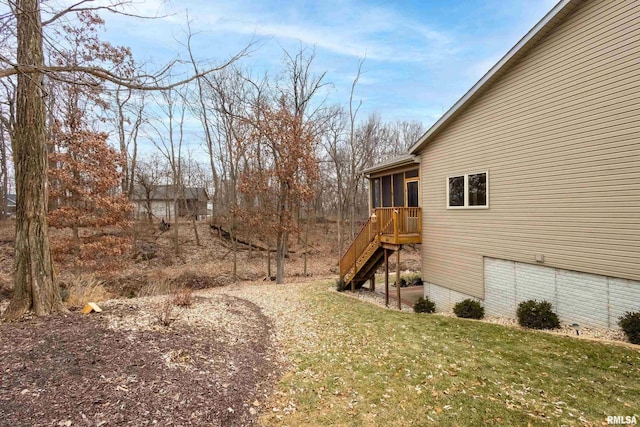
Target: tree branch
<point>131,83</point>
<point>110,8</point>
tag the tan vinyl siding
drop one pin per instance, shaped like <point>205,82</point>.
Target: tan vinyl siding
<point>559,134</point>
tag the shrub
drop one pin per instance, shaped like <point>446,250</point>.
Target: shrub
<point>196,280</point>
<point>164,314</point>
<point>183,298</point>
<point>469,309</point>
<point>77,290</point>
<point>537,315</point>
<point>411,279</point>
<point>424,305</point>
<point>340,285</point>
<point>630,324</point>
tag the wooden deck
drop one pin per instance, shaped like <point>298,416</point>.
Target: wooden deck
<point>402,239</point>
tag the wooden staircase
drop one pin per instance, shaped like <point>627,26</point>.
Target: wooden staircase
<point>368,263</point>
<point>387,229</point>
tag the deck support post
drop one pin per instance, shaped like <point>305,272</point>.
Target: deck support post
<point>386,277</point>
<point>372,282</point>
<point>398,278</point>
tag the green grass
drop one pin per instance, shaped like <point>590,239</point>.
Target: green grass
<point>364,365</point>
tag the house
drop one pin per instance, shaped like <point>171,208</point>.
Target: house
<point>158,202</point>
<point>11,204</point>
<point>395,221</point>
<point>7,205</point>
<point>530,184</point>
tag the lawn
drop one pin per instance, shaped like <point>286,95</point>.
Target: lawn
<point>364,365</point>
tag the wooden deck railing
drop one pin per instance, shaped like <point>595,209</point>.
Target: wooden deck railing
<point>399,221</point>
<point>357,247</point>
<point>394,222</point>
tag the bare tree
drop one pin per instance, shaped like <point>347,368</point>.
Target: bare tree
<point>7,121</point>
<point>334,143</point>
<point>195,179</point>
<point>148,174</point>
<point>129,117</point>
<point>4,171</point>
<point>230,96</point>
<point>355,164</point>
<point>169,141</point>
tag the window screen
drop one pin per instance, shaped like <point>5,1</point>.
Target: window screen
<point>375,193</point>
<point>398,190</point>
<point>478,189</point>
<point>386,191</point>
<point>456,191</point>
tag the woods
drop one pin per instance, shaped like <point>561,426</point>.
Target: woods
<point>86,126</point>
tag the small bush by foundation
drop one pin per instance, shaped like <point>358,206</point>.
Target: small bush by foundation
<point>630,324</point>
<point>469,309</point>
<point>424,305</point>
<point>537,315</point>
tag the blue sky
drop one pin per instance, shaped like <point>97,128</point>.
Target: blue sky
<point>421,56</point>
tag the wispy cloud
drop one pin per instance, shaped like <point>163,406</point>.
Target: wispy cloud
<point>380,34</point>
<point>421,55</point>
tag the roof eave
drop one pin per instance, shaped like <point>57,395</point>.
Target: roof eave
<point>405,160</point>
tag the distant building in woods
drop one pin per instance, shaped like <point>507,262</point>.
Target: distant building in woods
<point>10,207</point>
<point>158,202</point>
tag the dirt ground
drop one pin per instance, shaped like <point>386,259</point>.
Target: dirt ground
<point>145,361</point>
<point>154,268</point>
<point>111,369</point>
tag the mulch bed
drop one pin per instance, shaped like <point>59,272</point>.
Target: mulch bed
<point>72,369</point>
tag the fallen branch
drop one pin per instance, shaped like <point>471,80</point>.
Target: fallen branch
<point>227,236</point>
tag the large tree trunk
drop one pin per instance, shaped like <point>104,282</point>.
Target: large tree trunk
<point>281,234</point>
<point>34,287</point>
<point>340,214</point>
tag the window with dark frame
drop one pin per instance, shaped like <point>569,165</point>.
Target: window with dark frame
<point>468,191</point>
<point>477,189</point>
<point>456,191</point>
